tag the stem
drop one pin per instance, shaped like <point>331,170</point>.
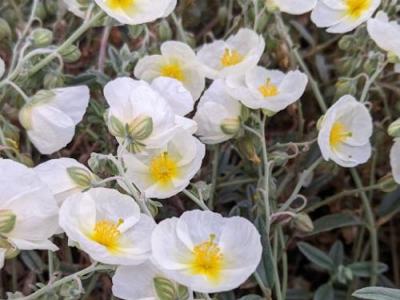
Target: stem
<point>371,227</point>
<point>103,47</point>
<point>84,27</point>
<point>214,176</point>
<point>179,27</point>
<point>50,264</point>
<point>371,80</point>
<point>195,199</point>
<point>44,290</point>
<point>18,89</point>
<point>314,84</point>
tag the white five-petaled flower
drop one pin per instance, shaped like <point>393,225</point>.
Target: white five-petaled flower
<point>385,33</point>
<point>218,115</point>
<point>267,89</point>
<point>140,116</point>
<point>341,16</point>
<point>139,282</point>
<point>50,118</point>
<point>164,172</point>
<point>28,210</point>
<point>205,251</point>
<point>177,60</point>
<point>345,132</point>
<point>293,7</point>
<point>234,56</point>
<point>64,177</point>
<point>395,160</point>
<point>135,12</point>
<point>108,226</point>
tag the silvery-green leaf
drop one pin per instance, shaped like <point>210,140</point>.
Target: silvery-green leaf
<point>364,269</point>
<point>377,293</point>
<point>325,292</point>
<point>316,256</point>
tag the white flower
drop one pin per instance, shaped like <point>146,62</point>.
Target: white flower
<point>205,251</point>
<point>345,132</point>
<point>50,118</point>
<point>395,160</point>
<point>341,16</point>
<point>162,173</point>
<point>384,33</point>
<point>28,210</point>
<point>64,177</point>
<point>78,9</point>
<point>293,7</point>
<point>234,56</point>
<point>108,226</point>
<point>139,282</point>
<point>177,60</point>
<point>218,115</point>
<point>267,89</point>
<point>135,12</point>
<point>139,116</point>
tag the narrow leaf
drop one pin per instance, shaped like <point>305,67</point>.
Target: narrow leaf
<point>316,256</point>
<point>334,221</point>
<point>325,292</point>
<point>377,293</point>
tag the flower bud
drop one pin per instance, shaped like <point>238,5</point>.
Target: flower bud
<point>393,58</point>
<point>71,54</point>
<point>116,127</point>
<point>320,121</point>
<point>271,6</point>
<point>303,223</point>
<point>5,30</point>
<point>11,249</point>
<point>7,221</point>
<point>247,146</point>
<point>141,128</point>
<point>53,80</point>
<point>25,116</point>
<point>280,158</point>
<point>164,31</point>
<point>387,184</point>
<point>344,87</point>
<point>394,129</point>
<point>80,176</point>
<point>41,37</point>
<point>346,42</point>
<point>135,31</point>
<point>230,126</point>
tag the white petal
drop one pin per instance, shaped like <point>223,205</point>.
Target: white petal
<point>395,160</point>
<point>72,101</point>
<point>296,7</point>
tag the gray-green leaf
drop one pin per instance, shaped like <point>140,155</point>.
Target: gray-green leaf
<point>377,293</point>
<point>324,292</point>
<point>316,256</point>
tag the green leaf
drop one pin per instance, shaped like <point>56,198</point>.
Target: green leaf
<point>364,269</point>
<point>334,221</point>
<point>316,256</point>
<point>336,253</point>
<point>325,292</point>
<point>251,297</point>
<point>377,293</point>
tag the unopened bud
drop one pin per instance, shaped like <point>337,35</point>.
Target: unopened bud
<point>41,37</point>
<point>11,249</point>
<point>394,129</point>
<point>5,30</point>
<point>271,6</point>
<point>7,220</point>
<point>135,31</point>
<point>247,146</point>
<point>303,223</point>
<point>164,31</point>
<point>280,158</point>
<point>387,184</point>
<point>25,116</point>
<point>53,80</point>
<point>346,42</point>
<point>71,54</point>
<point>320,122</point>
<point>344,87</point>
<point>393,58</point>
<point>83,178</point>
<point>230,126</point>
<point>141,128</point>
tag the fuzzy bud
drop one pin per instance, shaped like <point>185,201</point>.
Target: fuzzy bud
<point>280,158</point>
<point>230,126</point>
<point>71,54</point>
<point>164,31</point>
<point>7,221</point>
<point>303,223</point>
<point>41,37</point>
<point>387,184</point>
<point>53,80</point>
<point>394,129</point>
<point>247,147</point>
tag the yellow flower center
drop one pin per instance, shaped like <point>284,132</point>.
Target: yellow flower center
<point>120,4</point>
<point>339,134</point>
<point>173,70</point>
<point>163,169</point>
<point>107,234</point>
<point>231,58</point>
<point>268,89</point>
<point>355,8</point>
<point>207,260</point>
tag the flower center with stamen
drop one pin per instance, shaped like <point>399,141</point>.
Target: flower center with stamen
<point>107,234</point>
<point>163,169</point>
<point>173,70</point>
<point>339,134</point>
<point>268,89</point>
<point>207,260</point>
<point>231,58</point>
<point>355,8</point>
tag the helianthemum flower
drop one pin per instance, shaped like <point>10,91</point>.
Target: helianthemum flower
<point>164,172</point>
<point>137,11</point>
<point>395,160</point>
<point>108,226</point>
<point>218,115</point>
<point>139,116</point>
<point>293,7</point>
<point>386,35</point>
<point>76,7</point>
<point>345,132</point>
<point>28,210</point>
<point>267,89</point>
<point>145,282</point>
<point>64,177</point>
<point>234,56</point>
<point>207,252</point>
<point>177,60</point>
<point>343,15</point>
<point>50,118</point>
